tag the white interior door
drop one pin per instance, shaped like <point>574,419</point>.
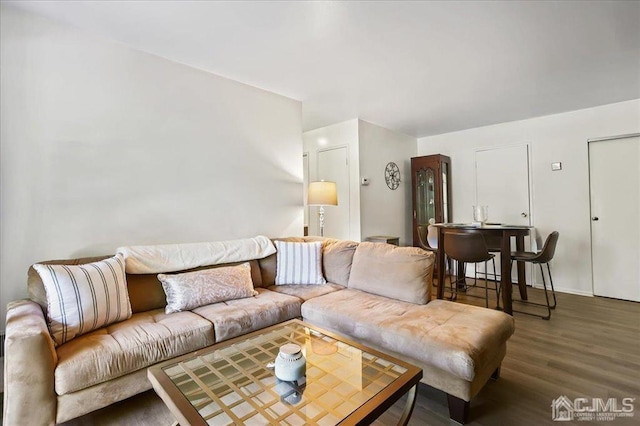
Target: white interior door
<point>333,165</point>
<point>502,184</point>
<point>305,186</point>
<point>614,173</point>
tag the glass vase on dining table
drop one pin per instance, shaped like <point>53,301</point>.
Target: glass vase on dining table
<point>480,215</point>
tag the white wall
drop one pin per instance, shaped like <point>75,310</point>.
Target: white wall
<point>103,146</point>
<point>383,211</point>
<point>337,135</point>
<point>560,200</point>
<point>374,209</point>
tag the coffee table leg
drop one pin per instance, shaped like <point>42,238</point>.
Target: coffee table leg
<point>408,407</point>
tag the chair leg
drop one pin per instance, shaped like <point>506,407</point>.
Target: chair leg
<point>546,295</point>
<point>453,283</point>
<point>495,280</point>
<point>553,290</point>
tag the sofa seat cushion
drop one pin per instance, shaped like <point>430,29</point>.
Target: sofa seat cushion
<point>456,338</point>
<point>113,351</point>
<point>236,317</point>
<point>306,292</point>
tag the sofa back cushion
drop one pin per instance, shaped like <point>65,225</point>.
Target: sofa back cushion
<point>145,290</point>
<point>337,256</point>
<point>402,273</point>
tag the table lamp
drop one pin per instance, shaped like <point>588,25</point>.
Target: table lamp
<point>322,193</point>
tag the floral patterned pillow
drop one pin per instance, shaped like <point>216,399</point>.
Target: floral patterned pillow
<point>192,289</point>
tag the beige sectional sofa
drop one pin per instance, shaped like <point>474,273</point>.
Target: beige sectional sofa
<point>459,347</point>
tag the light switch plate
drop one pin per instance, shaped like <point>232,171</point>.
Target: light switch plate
<point>556,166</point>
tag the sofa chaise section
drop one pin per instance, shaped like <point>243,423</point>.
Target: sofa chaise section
<point>386,306</point>
<point>459,340</point>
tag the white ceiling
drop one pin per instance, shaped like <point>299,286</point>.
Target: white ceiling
<point>422,68</point>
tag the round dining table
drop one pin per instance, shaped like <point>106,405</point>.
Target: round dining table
<point>498,237</point>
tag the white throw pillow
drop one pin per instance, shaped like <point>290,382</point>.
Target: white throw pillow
<point>82,298</point>
<point>192,289</point>
<point>299,263</point>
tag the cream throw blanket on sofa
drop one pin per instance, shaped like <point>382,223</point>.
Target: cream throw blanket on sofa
<point>157,259</point>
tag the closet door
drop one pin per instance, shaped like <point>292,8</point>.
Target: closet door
<point>305,187</point>
<point>614,180</point>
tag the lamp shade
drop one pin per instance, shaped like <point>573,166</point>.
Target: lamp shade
<point>322,193</point>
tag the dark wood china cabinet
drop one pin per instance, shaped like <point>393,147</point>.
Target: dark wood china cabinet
<point>431,186</point>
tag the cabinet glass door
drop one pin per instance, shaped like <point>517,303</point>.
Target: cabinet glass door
<point>425,196</point>
<point>445,193</point>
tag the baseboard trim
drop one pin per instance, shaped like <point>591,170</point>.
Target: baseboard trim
<point>566,290</point>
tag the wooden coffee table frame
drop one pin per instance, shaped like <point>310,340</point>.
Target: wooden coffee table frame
<point>186,414</point>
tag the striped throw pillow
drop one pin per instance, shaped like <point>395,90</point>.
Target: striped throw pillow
<point>82,298</point>
<point>299,263</point>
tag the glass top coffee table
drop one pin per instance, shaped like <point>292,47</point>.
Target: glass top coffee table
<point>229,383</point>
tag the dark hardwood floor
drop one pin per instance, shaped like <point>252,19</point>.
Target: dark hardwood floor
<point>590,348</point>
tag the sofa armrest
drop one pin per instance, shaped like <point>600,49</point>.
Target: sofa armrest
<point>29,363</point>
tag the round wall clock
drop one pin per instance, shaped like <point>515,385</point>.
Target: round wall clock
<point>392,175</point>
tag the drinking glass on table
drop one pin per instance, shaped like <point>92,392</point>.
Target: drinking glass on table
<point>480,214</point>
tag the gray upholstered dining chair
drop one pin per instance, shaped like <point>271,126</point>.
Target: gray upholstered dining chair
<point>542,257</point>
<point>469,247</point>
